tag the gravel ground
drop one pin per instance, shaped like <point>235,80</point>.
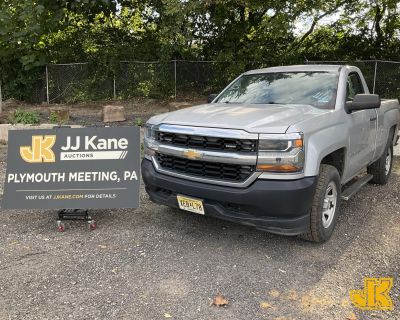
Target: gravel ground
<point>158,263</point>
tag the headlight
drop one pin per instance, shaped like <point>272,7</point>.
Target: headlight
<point>150,145</point>
<point>281,153</point>
<point>150,132</point>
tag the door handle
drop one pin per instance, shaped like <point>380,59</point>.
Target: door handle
<point>372,119</point>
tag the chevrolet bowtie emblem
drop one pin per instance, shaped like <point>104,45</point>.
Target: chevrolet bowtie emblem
<point>192,154</point>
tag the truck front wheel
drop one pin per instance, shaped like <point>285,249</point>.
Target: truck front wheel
<point>325,207</point>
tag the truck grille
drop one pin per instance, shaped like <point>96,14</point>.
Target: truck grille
<point>208,143</point>
<point>211,170</point>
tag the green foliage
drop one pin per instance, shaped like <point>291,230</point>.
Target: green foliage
<point>26,117</point>
<point>53,117</point>
<point>246,34</point>
<point>139,122</point>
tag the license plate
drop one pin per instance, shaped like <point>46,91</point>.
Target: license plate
<point>190,204</point>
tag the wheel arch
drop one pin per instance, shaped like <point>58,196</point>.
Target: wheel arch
<point>336,159</point>
<point>393,133</point>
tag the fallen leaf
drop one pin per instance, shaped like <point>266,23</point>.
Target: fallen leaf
<point>167,315</point>
<point>265,305</point>
<point>220,301</point>
<point>274,293</point>
<point>351,316</point>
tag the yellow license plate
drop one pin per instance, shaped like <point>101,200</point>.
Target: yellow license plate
<point>190,204</point>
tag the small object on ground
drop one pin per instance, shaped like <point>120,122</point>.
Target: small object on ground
<point>92,225</point>
<point>220,301</point>
<point>60,226</point>
<point>59,115</point>
<point>75,214</point>
<point>265,305</point>
<point>274,293</point>
<point>113,114</point>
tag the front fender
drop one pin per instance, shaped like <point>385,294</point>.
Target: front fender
<point>322,143</point>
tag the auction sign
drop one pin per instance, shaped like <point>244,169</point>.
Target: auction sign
<point>73,168</point>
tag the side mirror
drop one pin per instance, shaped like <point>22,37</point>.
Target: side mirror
<point>211,97</point>
<point>363,102</point>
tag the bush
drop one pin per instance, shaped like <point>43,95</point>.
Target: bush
<point>53,118</point>
<point>26,117</point>
<point>139,122</point>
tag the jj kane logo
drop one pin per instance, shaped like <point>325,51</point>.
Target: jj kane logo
<point>94,148</point>
<point>374,296</point>
<point>40,151</point>
<point>74,148</point>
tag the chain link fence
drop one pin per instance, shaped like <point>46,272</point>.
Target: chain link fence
<point>83,82</point>
<point>80,82</point>
<point>144,79</point>
<point>382,77</point>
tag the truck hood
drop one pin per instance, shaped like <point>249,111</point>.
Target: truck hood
<point>260,118</point>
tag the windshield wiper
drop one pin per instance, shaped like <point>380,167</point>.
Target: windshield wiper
<point>229,102</point>
<point>273,102</point>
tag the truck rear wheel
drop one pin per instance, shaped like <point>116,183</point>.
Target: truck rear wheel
<point>382,168</point>
<point>325,207</point>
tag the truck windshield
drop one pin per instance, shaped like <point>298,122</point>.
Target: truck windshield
<point>317,89</point>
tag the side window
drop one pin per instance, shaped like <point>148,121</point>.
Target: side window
<point>354,86</point>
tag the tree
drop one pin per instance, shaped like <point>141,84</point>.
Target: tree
<point>25,26</point>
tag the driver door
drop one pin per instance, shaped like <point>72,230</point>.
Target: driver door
<point>362,129</point>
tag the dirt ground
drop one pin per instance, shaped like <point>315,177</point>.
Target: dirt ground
<point>160,263</point>
<point>136,111</point>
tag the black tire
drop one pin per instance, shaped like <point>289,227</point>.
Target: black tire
<point>379,169</point>
<point>321,228</point>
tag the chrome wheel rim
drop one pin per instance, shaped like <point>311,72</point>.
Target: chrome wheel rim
<point>329,206</point>
<point>388,162</point>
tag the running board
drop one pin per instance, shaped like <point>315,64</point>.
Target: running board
<point>355,187</point>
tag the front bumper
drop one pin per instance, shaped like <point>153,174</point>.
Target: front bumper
<point>276,206</point>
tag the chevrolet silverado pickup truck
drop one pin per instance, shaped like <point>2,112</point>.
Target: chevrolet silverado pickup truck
<point>278,149</point>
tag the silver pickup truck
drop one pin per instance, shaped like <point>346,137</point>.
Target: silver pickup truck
<point>278,149</point>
